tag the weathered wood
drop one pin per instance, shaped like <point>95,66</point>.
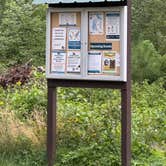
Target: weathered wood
<point>51,125</point>
<point>126,102</point>
<point>85,84</point>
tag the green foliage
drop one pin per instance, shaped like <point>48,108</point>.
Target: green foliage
<point>93,131</point>
<point>22,32</point>
<point>148,22</point>
<point>163,66</point>
<point>25,99</point>
<point>23,123</point>
<point>28,156</point>
<point>91,134</point>
<point>22,35</point>
<point>89,127</point>
<point>2,7</point>
<point>148,123</point>
<point>147,63</point>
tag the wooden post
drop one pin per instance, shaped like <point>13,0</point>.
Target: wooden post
<point>126,101</point>
<point>126,126</point>
<point>51,125</point>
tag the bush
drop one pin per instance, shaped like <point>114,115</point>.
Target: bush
<point>89,127</point>
<point>22,32</point>
<point>147,63</point>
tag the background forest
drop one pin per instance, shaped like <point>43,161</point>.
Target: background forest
<point>88,119</point>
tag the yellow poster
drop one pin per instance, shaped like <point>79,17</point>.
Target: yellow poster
<point>109,62</point>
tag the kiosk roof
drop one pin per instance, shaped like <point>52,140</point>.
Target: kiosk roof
<point>72,1</point>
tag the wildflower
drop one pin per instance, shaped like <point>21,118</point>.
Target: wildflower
<point>1,103</point>
<point>18,83</point>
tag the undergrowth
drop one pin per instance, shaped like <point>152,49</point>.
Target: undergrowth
<point>89,127</point>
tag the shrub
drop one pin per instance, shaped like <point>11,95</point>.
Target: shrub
<point>89,127</point>
<point>147,63</point>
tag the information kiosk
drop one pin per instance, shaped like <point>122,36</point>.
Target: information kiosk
<point>88,45</point>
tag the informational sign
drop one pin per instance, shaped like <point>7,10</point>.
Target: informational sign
<point>101,46</point>
<point>109,62</point>
<point>117,60</point>
<point>67,19</point>
<point>96,23</point>
<point>58,62</point>
<point>73,61</point>
<point>58,38</point>
<point>94,62</point>
<point>113,25</point>
<point>87,44</point>
<point>74,39</point>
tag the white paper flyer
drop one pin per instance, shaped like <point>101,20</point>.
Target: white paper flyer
<point>117,60</point>
<point>58,38</point>
<point>113,25</point>
<point>73,61</point>
<point>67,19</point>
<point>94,62</point>
<point>58,62</point>
<point>96,23</point>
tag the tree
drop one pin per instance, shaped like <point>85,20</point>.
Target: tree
<point>147,63</point>
<point>2,7</point>
<point>22,31</point>
<point>148,22</point>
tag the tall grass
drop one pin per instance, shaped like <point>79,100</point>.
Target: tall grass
<point>22,143</point>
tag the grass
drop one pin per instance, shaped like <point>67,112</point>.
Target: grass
<point>22,143</point>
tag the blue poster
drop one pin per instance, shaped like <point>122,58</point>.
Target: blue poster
<point>101,46</point>
<point>74,39</point>
<point>74,45</point>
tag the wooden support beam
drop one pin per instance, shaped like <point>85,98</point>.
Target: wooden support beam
<point>51,125</point>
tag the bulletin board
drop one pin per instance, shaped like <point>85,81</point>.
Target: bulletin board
<point>85,44</point>
<point>105,45</point>
<point>65,54</point>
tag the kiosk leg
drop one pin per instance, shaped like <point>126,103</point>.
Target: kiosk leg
<point>51,125</point>
<point>126,126</point>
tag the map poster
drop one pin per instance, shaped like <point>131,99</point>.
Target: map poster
<point>67,19</point>
<point>94,62</point>
<point>109,62</point>
<point>58,62</point>
<point>96,23</point>
<point>58,38</point>
<point>74,39</point>
<point>113,25</point>
<point>73,61</point>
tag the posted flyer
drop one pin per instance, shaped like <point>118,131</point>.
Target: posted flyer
<point>96,23</point>
<point>74,39</point>
<point>73,61</point>
<point>113,25</point>
<point>94,62</point>
<point>101,46</point>
<point>109,62</point>
<point>58,62</point>
<point>58,38</point>
<point>67,19</point>
<point>117,60</point>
